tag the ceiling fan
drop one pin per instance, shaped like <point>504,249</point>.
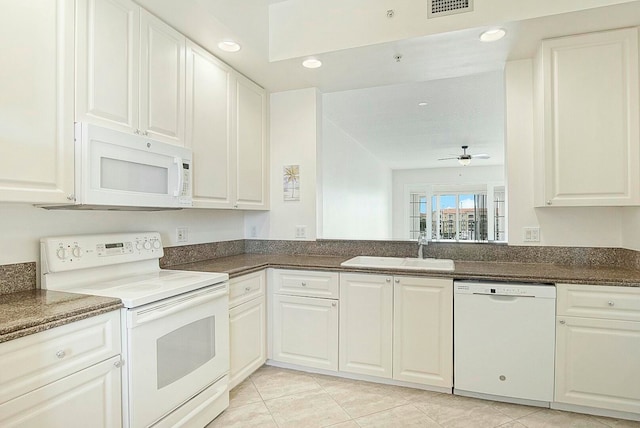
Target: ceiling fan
<point>465,159</point>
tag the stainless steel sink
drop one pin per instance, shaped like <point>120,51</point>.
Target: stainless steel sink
<point>400,263</point>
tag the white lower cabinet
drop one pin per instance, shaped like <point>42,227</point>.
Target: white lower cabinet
<point>598,352</point>
<point>397,327</point>
<point>366,324</point>
<point>247,326</point>
<point>63,377</point>
<point>423,331</point>
<point>304,318</point>
<point>90,396</point>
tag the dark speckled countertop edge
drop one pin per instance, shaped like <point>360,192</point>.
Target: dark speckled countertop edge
<point>24,313</point>
<point>464,270</point>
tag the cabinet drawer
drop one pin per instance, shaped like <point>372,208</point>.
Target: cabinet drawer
<point>246,287</point>
<point>39,359</point>
<point>305,283</point>
<point>593,301</point>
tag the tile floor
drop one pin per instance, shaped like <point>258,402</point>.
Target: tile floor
<point>278,398</point>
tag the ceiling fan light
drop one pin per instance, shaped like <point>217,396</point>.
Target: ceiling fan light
<point>464,161</point>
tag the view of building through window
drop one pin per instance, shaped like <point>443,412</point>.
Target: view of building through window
<point>458,216</point>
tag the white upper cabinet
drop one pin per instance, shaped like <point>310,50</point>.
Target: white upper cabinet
<point>226,129</point>
<point>162,82</point>
<point>588,120</point>
<point>252,155</point>
<point>36,101</point>
<point>130,70</point>
<point>209,112</point>
<point>108,56</point>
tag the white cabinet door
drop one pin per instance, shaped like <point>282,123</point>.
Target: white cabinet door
<point>366,324</point>
<point>108,62</point>
<point>590,120</point>
<point>36,100</point>
<point>252,155</point>
<point>597,363</point>
<point>305,331</point>
<point>247,337</point>
<point>90,397</point>
<point>209,111</point>
<point>162,80</point>
<point>423,331</point>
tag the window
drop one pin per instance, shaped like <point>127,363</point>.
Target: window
<point>459,215</point>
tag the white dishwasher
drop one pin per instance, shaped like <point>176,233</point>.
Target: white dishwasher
<point>504,341</point>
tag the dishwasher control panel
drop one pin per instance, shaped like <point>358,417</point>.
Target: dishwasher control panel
<point>505,289</point>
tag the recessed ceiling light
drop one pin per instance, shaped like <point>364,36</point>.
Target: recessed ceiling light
<point>229,46</point>
<point>493,35</point>
<point>312,63</point>
<point>422,104</point>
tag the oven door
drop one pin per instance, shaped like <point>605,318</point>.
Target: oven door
<point>176,348</point>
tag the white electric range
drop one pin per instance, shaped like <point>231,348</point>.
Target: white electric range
<point>175,325</point>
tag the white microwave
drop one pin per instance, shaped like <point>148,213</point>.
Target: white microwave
<point>117,170</point>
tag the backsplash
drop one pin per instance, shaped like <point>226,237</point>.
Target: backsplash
<point>17,277</point>
<point>577,256</point>
<point>22,276</point>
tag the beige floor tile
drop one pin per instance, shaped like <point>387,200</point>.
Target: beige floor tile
<point>274,383</point>
<point>360,398</point>
<point>554,418</point>
<point>452,411</point>
<point>514,411</point>
<point>242,394</point>
<point>348,424</point>
<point>398,417</point>
<point>248,416</point>
<point>618,423</point>
<point>512,424</point>
<point>307,409</point>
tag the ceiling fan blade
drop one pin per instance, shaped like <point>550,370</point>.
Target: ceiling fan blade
<point>447,158</point>
<point>480,156</point>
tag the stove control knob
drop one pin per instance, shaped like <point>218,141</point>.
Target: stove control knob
<point>138,245</point>
<point>77,252</point>
<point>156,244</point>
<point>61,253</point>
<point>147,245</point>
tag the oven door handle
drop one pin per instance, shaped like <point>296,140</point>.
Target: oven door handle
<point>174,305</point>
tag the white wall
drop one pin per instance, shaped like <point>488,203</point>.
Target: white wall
<point>630,228</point>
<point>356,192</point>
<point>404,179</point>
<point>22,226</point>
<point>295,121</point>
<point>575,226</point>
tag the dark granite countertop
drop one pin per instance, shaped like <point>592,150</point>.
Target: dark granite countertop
<point>499,271</point>
<point>27,312</point>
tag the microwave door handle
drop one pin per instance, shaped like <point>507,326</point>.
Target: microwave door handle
<point>178,161</point>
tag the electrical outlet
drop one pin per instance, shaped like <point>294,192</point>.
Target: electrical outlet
<point>182,234</point>
<point>301,232</point>
<point>531,234</point>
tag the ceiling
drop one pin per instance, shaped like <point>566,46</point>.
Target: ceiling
<point>372,96</point>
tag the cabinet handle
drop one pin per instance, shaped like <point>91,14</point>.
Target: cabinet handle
<point>388,279</point>
<point>118,364</point>
<point>397,281</point>
<point>548,202</point>
<point>562,322</point>
<point>304,284</point>
<point>610,303</point>
<point>247,289</point>
<point>334,304</point>
<point>137,131</point>
<point>71,197</point>
<point>61,354</point>
<point>235,206</point>
<point>145,133</point>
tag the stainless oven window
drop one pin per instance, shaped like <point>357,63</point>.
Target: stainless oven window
<point>182,351</point>
<point>118,174</point>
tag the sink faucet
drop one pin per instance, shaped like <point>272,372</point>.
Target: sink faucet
<point>422,241</point>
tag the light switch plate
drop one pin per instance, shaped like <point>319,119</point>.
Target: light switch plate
<point>531,234</point>
<point>301,232</point>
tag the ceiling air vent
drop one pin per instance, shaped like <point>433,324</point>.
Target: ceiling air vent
<point>436,8</point>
